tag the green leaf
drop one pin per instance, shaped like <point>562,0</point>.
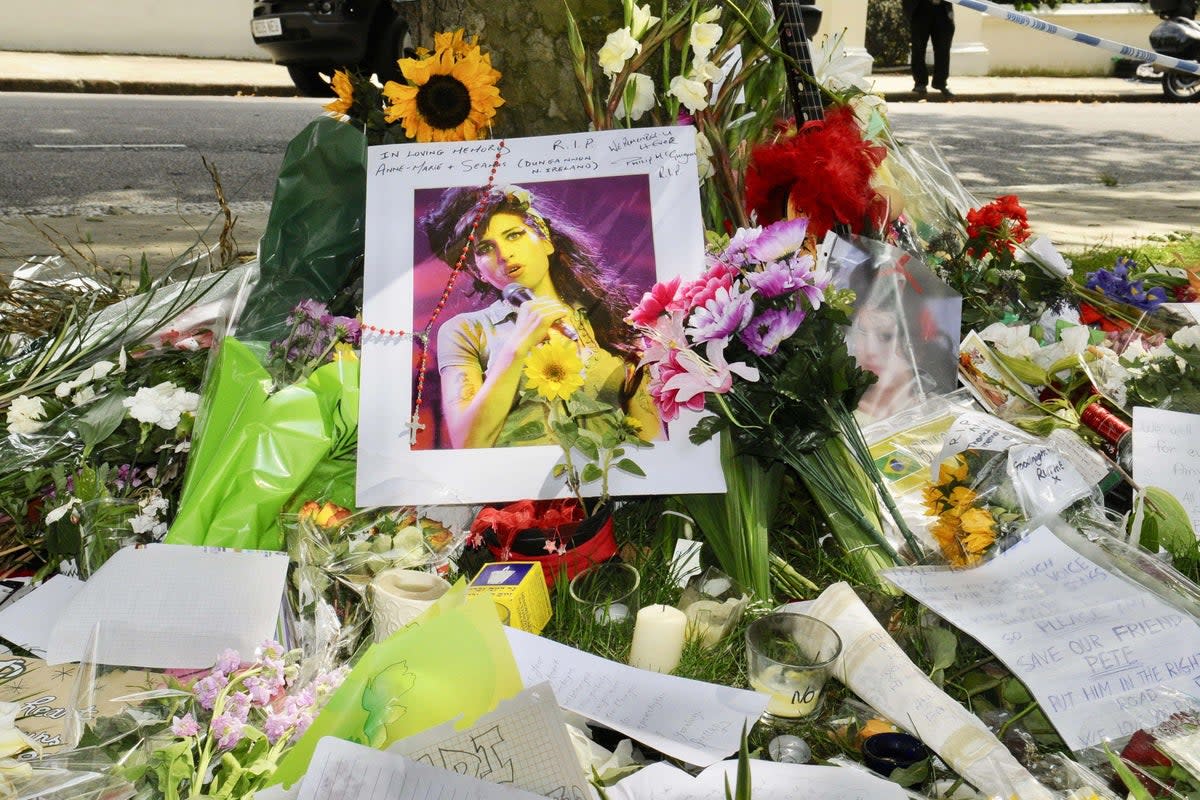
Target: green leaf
<point>911,776</point>
<point>100,420</point>
<point>559,470</point>
<point>1170,523</point>
<point>589,448</point>
<point>530,430</point>
<point>707,428</point>
<point>942,645</point>
<point>591,473</point>
<point>1136,790</point>
<point>627,465</point>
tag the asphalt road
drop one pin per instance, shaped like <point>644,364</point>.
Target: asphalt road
<point>123,173</point>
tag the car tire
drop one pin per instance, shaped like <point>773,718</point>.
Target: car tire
<point>1180,88</point>
<point>393,44</point>
<point>309,82</point>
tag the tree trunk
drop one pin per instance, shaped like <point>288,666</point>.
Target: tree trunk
<point>527,41</point>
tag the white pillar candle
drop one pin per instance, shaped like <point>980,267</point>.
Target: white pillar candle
<point>658,638</point>
<point>398,596</point>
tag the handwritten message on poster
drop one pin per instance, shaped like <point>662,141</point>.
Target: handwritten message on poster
<point>1166,454</point>
<point>1102,656</point>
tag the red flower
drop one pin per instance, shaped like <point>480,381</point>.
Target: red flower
<point>1000,225</point>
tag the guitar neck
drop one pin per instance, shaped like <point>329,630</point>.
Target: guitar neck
<point>793,38</point>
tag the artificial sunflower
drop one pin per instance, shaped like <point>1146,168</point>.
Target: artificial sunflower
<point>554,368</point>
<point>451,95</point>
<point>344,90</point>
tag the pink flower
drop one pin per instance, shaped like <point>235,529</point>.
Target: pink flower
<point>228,661</point>
<point>238,706</point>
<point>726,312</point>
<point>228,730</point>
<point>667,398</point>
<point>700,291</point>
<point>683,380</point>
<point>661,298</point>
<point>767,331</point>
<point>185,726</point>
<point>207,689</point>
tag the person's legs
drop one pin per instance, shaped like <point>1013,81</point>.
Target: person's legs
<point>942,33</point>
<point>922,24</point>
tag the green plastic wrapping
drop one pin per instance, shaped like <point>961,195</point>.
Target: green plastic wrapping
<point>257,451</point>
<point>313,241</point>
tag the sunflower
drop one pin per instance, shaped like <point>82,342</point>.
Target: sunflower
<point>554,368</point>
<point>451,95</point>
<point>345,91</point>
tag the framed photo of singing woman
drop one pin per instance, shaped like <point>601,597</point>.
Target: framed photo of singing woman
<point>482,252</point>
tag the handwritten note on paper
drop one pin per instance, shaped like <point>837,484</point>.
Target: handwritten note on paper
<point>341,770</point>
<point>696,722</point>
<point>771,781</point>
<point>973,431</point>
<point>1103,657</point>
<point>1045,480</point>
<point>523,743</point>
<point>172,606</point>
<point>1166,454</point>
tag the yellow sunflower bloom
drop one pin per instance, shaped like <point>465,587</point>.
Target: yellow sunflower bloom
<point>345,91</point>
<point>978,520</point>
<point>451,96</point>
<point>955,470</point>
<point>961,497</point>
<point>554,369</point>
<point>935,501</point>
<point>454,41</point>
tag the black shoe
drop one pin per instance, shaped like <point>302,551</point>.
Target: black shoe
<point>946,93</point>
<point>921,90</point>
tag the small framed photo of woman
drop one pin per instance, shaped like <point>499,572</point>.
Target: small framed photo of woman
<point>479,253</point>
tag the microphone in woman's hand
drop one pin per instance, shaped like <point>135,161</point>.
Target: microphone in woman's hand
<point>515,294</point>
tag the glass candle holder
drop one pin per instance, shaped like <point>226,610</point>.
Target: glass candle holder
<point>789,658</point>
<point>607,592</point>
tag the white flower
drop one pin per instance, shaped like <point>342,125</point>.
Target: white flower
<point>61,511</point>
<point>1187,337</point>
<point>704,152</point>
<point>643,21</point>
<point>641,87</point>
<point>84,396</point>
<point>1011,340</point>
<point>25,414</point>
<point>691,93</point>
<point>705,70</point>
<point>711,15</point>
<point>704,38</point>
<point>619,47</point>
<point>162,405</point>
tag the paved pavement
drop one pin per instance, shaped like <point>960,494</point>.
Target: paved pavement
<point>1072,220</point>
<point>60,72</point>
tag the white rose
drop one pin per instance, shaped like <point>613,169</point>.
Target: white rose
<point>691,93</point>
<point>704,38</point>
<point>643,21</point>
<point>618,48</point>
<point>639,93</point>
<point>25,414</point>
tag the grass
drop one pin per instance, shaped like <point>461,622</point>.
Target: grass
<point>1181,250</point>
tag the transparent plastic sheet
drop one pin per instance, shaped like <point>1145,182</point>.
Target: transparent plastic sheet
<point>928,199</point>
<point>905,326</point>
<point>335,556</point>
<point>313,242</point>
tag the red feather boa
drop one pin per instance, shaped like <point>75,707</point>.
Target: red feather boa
<point>825,169</point>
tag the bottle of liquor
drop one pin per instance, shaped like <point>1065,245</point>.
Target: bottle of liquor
<point>1116,433</point>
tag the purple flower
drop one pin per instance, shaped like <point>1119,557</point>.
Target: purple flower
<point>228,661</point>
<point>238,706</point>
<point>328,682</point>
<point>278,724</point>
<point>767,331</point>
<point>269,647</point>
<point>260,691</point>
<point>185,726</point>
<point>228,730</point>
<point>208,687</point>
<point>778,240</point>
<point>722,316</point>
<point>347,329</point>
<point>311,309</point>
<point>1115,283</point>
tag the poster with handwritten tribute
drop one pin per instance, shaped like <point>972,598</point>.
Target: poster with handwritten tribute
<point>1103,657</point>
<point>460,239</point>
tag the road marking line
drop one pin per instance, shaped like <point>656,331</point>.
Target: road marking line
<point>110,146</point>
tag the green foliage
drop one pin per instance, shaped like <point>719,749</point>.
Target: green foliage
<point>888,36</point>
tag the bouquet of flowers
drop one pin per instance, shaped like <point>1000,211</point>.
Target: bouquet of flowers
<point>224,736</point>
<point>758,340</point>
<point>969,510</point>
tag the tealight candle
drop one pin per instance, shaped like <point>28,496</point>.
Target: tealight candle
<point>658,638</point>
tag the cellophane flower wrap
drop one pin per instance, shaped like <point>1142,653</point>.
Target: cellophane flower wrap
<point>758,340</point>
